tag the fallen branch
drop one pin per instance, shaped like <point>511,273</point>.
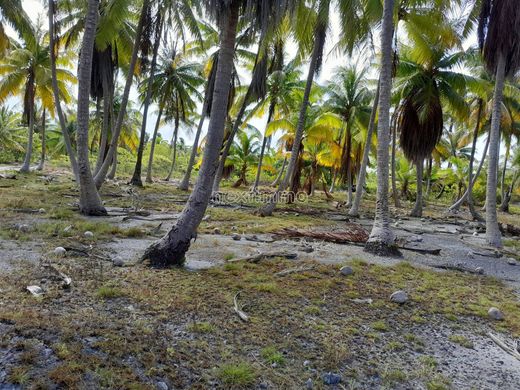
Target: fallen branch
<point>353,233</point>
<point>263,256</point>
<point>254,238</point>
<point>293,270</point>
<point>457,267</point>
<point>435,251</point>
<point>243,316</point>
<point>510,229</point>
<point>501,343</point>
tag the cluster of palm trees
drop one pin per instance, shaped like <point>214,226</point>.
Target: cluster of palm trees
<point>419,100</point>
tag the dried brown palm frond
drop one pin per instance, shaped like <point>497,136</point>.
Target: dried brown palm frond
<point>499,33</point>
<point>420,125</point>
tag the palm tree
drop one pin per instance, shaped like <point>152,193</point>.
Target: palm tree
<point>11,137</point>
<point>381,240</point>
<point>13,14</point>
<point>243,154</point>
<point>26,70</point>
<point>499,37</point>
<point>89,200</point>
<point>171,249</point>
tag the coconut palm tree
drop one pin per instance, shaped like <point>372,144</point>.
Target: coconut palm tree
<point>499,39</point>
<point>89,199</point>
<point>11,137</point>
<point>26,70</point>
<point>171,249</point>
<point>381,240</point>
<point>244,153</point>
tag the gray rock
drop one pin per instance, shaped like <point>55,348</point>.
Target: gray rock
<point>331,379</point>
<point>35,290</point>
<point>479,270</point>
<point>236,237</point>
<point>306,363</point>
<point>41,211</point>
<point>162,386</point>
<point>512,261</point>
<point>216,231</point>
<point>399,297</point>
<point>234,228</point>
<point>308,384</point>
<point>88,234</point>
<point>118,261</point>
<point>346,270</point>
<point>495,314</point>
<point>23,228</point>
<point>60,251</point>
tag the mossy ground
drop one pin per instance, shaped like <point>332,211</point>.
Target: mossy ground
<point>133,327</point>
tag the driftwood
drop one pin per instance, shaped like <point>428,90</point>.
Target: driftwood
<point>458,267</point>
<point>513,351</point>
<point>243,316</point>
<point>426,251</point>
<point>255,238</point>
<point>262,256</point>
<point>11,176</point>
<point>294,270</point>
<point>353,233</point>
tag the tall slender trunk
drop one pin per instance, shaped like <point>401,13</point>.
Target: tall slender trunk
<point>229,142</point>
<point>100,176</point>
<point>320,33</point>
<point>429,178</point>
<point>174,146</point>
<point>136,177</point>
<point>89,200</point>
<point>333,183</point>
<point>56,92</point>
<point>395,194</point>
<point>354,210</point>
<point>504,206</point>
<point>26,167</point>
<point>280,174</point>
<point>349,167</point>
<point>493,236</point>
<point>107,103</point>
<point>42,156</point>
<point>417,210</point>
<point>171,249</point>
<point>186,179</point>
<point>113,168</point>
<point>152,146</point>
<point>504,170</point>
<point>262,150</point>
<point>381,240</point>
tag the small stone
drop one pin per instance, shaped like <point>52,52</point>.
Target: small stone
<point>308,384</point>
<point>216,231</point>
<point>396,224</point>
<point>23,228</point>
<point>307,249</point>
<point>306,363</point>
<point>331,379</point>
<point>399,297</point>
<point>59,251</point>
<point>67,229</point>
<point>88,234</point>
<point>162,386</point>
<point>346,270</point>
<point>118,261</point>
<point>35,290</point>
<point>274,365</point>
<point>511,261</point>
<point>234,228</point>
<point>297,214</point>
<point>479,270</point>
<point>41,211</point>
<point>475,234</point>
<point>207,217</point>
<point>495,314</point>
<point>423,219</point>
<point>236,237</point>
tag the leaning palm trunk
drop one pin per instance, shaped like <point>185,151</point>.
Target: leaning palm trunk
<point>56,93</point>
<point>100,176</point>
<point>295,152</point>
<point>493,236</point>
<point>113,168</point>
<point>507,197</point>
<point>381,240</point>
<point>280,174</point>
<point>354,210</point>
<point>417,210</point>
<point>504,170</point>
<point>174,146</point>
<point>262,150</point>
<point>136,177</point>
<point>171,249</point>
<point>26,167</point>
<point>89,200</point>
<point>193,155</point>
<point>42,156</point>
<point>152,146</point>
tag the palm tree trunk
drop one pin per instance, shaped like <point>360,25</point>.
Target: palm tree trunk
<point>504,170</point>
<point>349,168</point>
<point>507,197</point>
<point>298,136</point>
<point>395,194</point>
<point>417,210</point>
<point>354,210</point>
<point>381,240</point>
<point>104,129</point>
<point>100,176</point>
<point>333,183</point>
<point>89,201</point>
<point>493,236</point>
<point>174,146</point>
<point>55,90</point>
<point>429,178</point>
<point>262,150</point>
<point>186,179</point>
<point>136,177</point>
<point>171,249</point>
<point>113,168</point>
<point>26,167</point>
<point>152,146</point>
<point>42,157</point>
<point>280,174</point>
